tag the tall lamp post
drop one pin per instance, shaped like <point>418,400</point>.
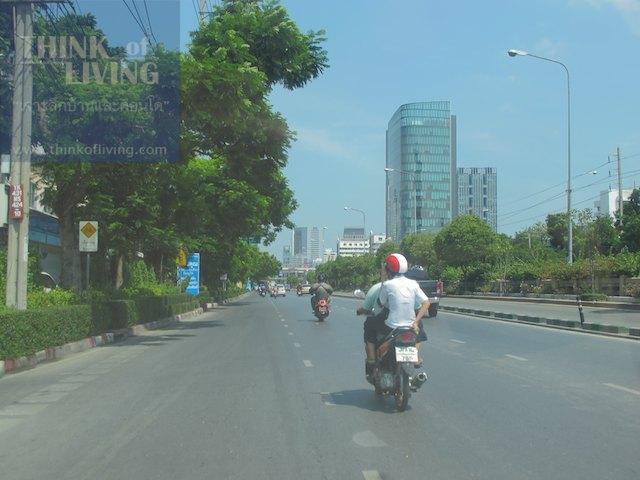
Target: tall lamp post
<point>515,53</point>
<point>415,193</point>
<point>364,217</point>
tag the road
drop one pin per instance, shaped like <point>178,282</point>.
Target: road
<point>258,390</point>
<point>611,316</point>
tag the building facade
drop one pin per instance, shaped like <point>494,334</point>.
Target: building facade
<point>300,239</point>
<point>353,243</point>
<point>314,248</point>
<point>478,194</point>
<point>608,202</point>
<point>421,169</point>
<point>375,240</point>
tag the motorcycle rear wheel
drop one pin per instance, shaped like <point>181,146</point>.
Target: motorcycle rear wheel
<point>403,392</point>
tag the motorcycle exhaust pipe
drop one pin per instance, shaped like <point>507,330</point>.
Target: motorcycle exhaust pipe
<point>417,381</point>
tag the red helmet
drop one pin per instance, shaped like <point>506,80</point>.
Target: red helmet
<point>396,263</point>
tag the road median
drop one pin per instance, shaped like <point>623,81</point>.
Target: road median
<point>573,325</point>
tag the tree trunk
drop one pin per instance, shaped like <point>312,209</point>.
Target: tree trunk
<point>70,263</point>
<point>119,271</point>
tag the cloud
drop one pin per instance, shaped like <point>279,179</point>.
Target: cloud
<point>629,9</point>
<point>550,48</point>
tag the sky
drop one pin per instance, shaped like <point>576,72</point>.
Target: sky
<point>511,112</point>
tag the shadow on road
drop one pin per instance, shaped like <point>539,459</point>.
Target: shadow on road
<point>157,337</point>
<point>362,398</point>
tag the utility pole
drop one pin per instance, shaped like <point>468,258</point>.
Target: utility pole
<point>202,5</point>
<point>620,202</point>
<point>20,175</point>
<point>18,229</point>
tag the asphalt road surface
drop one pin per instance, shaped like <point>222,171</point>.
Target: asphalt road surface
<point>258,390</point>
<point>608,315</point>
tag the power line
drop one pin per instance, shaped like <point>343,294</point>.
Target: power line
<point>146,9</point>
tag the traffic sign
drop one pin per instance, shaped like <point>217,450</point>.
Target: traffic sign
<point>191,271</point>
<point>88,236</point>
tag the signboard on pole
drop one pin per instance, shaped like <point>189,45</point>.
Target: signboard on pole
<point>16,202</point>
<point>88,236</point>
<point>191,270</point>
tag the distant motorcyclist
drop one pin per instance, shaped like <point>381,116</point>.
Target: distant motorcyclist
<point>320,290</point>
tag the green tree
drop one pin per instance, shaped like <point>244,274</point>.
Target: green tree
<point>557,230</point>
<point>418,248</point>
<point>468,243</point>
<point>629,225</point>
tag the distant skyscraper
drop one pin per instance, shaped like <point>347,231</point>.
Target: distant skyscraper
<point>300,240</point>
<point>478,194</point>
<point>421,141</point>
<point>286,255</point>
<point>314,244</point>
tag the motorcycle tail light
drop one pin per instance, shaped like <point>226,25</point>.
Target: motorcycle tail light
<point>407,337</point>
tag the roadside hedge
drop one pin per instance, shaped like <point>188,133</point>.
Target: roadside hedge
<point>25,332</point>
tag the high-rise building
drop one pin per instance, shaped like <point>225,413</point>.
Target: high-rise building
<point>421,169</point>
<point>300,239</point>
<point>286,255</point>
<point>314,245</point>
<point>478,194</point>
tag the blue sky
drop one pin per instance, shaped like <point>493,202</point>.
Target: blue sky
<point>511,112</point>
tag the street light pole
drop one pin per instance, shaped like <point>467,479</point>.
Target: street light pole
<point>514,53</point>
<point>364,218</point>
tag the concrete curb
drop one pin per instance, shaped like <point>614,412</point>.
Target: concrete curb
<point>552,301</point>
<point>12,365</point>
<point>572,325</point>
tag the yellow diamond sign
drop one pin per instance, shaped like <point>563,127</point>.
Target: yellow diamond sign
<point>88,236</point>
<point>88,230</point>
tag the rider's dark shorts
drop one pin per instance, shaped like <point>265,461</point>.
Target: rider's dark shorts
<point>374,326</point>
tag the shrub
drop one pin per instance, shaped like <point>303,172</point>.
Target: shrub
<point>25,332</point>
<point>56,297</point>
<point>593,297</point>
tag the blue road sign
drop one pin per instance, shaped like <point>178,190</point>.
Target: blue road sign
<point>191,270</point>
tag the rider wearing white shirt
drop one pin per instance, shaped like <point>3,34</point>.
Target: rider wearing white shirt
<point>400,295</point>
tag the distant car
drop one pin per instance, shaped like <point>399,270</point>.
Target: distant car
<point>280,290</point>
<point>287,287</point>
<point>304,289</point>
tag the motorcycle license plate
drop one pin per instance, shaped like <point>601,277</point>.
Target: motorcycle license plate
<point>406,354</point>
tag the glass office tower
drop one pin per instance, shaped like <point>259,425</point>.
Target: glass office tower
<point>421,169</point>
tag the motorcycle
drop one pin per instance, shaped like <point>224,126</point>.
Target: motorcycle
<point>263,293</point>
<point>321,310</point>
<point>394,372</point>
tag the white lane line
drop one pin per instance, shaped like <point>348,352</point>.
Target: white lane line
<point>456,341</point>
<point>622,389</point>
<point>371,475</point>
<point>296,344</point>
<point>515,357</point>
<point>290,333</point>
<point>282,319</point>
<point>285,325</point>
<point>307,363</point>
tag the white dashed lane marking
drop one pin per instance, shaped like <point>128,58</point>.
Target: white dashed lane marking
<point>623,389</point>
<point>290,333</point>
<point>457,341</point>
<point>371,475</point>
<point>296,344</point>
<point>515,357</point>
<point>307,363</point>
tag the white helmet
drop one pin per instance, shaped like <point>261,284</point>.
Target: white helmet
<point>396,263</point>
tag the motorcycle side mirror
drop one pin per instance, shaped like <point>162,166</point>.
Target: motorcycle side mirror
<point>359,294</point>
